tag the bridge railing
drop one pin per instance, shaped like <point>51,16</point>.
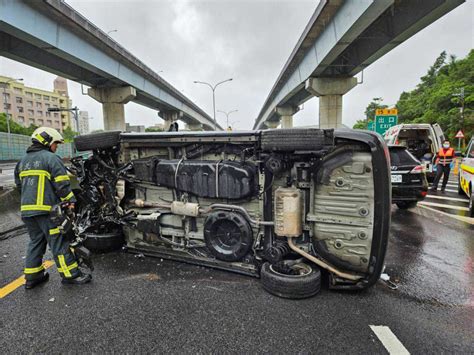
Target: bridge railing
<point>19,144</point>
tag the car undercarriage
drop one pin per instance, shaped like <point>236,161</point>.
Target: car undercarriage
<point>289,203</point>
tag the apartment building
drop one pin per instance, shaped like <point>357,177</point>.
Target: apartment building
<point>26,105</point>
<point>83,122</point>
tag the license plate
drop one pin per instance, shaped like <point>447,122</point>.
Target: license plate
<point>396,178</point>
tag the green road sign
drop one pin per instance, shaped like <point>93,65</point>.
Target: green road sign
<point>384,119</point>
<point>370,126</point>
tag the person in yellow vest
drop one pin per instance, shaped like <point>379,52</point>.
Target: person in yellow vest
<point>444,158</point>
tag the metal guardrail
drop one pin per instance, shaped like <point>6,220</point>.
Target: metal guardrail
<point>19,144</point>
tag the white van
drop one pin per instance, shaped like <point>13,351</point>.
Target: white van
<point>423,140</point>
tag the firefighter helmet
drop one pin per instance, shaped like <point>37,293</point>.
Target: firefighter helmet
<point>46,136</point>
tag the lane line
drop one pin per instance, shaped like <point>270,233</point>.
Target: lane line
<point>448,198</point>
<point>389,340</point>
<point>434,204</point>
<point>459,218</point>
<point>12,286</point>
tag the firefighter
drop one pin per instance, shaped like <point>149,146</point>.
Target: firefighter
<point>444,158</point>
<point>43,181</point>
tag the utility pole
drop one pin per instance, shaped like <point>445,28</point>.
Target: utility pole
<point>6,112</point>
<point>74,111</point>
<point>461,94</point>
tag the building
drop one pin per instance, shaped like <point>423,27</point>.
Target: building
<point>26,105</point>
<point>137,128</point>
<point>83,122</point>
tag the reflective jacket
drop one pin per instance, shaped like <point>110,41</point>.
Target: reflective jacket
<point>445,156</point>
<point>43,180</point>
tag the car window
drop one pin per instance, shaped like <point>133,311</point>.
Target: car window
<point>470,150</point>
<point>402,157</point>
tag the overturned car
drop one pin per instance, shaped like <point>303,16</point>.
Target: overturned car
<point>286,205</point>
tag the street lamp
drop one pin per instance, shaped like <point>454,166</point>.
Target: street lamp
<point>6,112</point>
<point>73,110</point>
<point>227,114</point>
<point>108,32</point>
<point>213,88</point>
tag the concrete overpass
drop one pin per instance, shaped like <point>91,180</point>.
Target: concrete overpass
<point>341,39</point>
<point>52,36</point>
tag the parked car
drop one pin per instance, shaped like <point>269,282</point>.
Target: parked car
<point>409,183</point>
<point>283,205</point>
<point>423,140</point>
<point>466,176</point>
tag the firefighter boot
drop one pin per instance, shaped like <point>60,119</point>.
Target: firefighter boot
<point>81,279</point>
<point>35,282</point>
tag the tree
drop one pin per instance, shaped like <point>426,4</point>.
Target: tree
<point>153,129</point>
<point>369,113</point>
<point>15,127</point>
<point>69,134</point>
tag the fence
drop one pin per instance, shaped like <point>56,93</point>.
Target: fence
<point>19,144</point>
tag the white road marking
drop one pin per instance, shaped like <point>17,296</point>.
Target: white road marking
<point>448,198</point>
<point>459,218</point>
<point>389,340</point>
<point>433,204</point>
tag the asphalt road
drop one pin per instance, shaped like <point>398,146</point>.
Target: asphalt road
<point>152,305</point>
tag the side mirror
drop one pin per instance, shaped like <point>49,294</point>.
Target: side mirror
<point>459,154</point>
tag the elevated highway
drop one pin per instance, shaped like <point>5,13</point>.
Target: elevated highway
<point>341,39</point>
<point>52,36</point>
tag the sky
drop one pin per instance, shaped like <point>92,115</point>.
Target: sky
<point>249,41</point>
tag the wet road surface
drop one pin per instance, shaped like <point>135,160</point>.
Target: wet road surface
<point>152,305</point>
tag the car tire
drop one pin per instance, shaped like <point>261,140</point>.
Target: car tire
<point>285,285</point>
<point>101,140</point>
<point>460,190</point>
<point>104,242</point>
<point>471,204</point>
<point>403,205</point>
<point>288,139</point>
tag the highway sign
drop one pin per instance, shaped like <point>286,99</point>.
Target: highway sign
<point>370,126</point>
<point>384,119</point>
<point>459,134</point>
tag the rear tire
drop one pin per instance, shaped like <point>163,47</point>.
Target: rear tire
<point>305,283</point>
<point>291,139</point>
<point>103,242</point>
<point>101,140</point>
<point>471,205</point>
<point>403,205</point>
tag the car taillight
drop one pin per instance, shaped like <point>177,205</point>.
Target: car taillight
<point>418,169</point>
<point>423,193</point>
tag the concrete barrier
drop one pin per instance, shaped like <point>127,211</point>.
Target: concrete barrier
<point>10,218</point>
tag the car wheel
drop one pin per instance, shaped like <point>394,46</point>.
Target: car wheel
<point>290,279</point>
<point>460,190</point>
<point>101,140</point>
<point>296,139</point>
<point>471,205</point>
<point>403,205</point>
<point>103,242</point>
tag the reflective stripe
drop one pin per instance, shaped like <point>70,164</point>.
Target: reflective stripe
<point>33,270</point>
<point>35,208</point>
<point>66,269</point>
<point>41,139</point>
<point>63,267</point>
<point>35,173</point>
<point>54,231</point>
<point>40,193</point>
<point>68,197</point>
<point>469,169</point>
<point>61,178</point>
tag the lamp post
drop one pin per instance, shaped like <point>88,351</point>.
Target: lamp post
<point>227,114</point>
<point>108,32</point>
<point>73,110</point>
<point>213,88</point>
<point>6,112</point>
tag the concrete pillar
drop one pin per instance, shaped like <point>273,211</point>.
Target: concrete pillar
<point>113,101</point>
<point>194,126</point>
<point>286,115</point>
<point>330,91</point>
<point>169,117</point>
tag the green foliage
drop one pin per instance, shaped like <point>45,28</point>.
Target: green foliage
<point>434,99</point>
<point>369,113</point>
<point>153,129</point>
<point>69,134</point>
<point>15,127</point>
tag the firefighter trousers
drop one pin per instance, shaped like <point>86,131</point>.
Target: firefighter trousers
<point>442,170</point>
<point>43,231</point>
